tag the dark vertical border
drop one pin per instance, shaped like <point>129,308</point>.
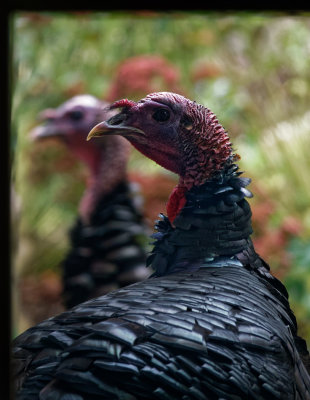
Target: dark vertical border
<point>5,159</point>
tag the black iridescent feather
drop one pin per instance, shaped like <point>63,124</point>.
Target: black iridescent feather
<point>214,225</point>
<point>107,253</point>
<point>221,328</point>
<point>205,335</point>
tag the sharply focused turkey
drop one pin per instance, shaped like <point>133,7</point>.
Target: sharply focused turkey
<point>107,239</point>
<point>212,323</point>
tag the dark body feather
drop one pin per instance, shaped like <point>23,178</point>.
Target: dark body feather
<point>108,252</point>
<point>221,328</point>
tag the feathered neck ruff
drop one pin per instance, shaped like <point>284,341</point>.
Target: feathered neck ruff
<point>215,222</point>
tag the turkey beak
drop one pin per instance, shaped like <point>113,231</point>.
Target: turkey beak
<point>106,128</point>
<point>48,128</point>
<point>42,132</point>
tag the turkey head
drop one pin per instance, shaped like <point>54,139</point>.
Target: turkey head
<point>178,134</point>
<point>106,158</point>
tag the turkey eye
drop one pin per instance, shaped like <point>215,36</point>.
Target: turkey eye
<point>161,115</point>
<point>76,115</point>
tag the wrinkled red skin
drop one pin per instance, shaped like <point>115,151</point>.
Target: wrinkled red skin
<point>203,145</point>
<point>123,103</point>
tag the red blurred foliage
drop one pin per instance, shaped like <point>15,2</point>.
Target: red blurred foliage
<point>205,70</point>
<point>137,76</point>
<point>81,13</point>
<point>146,13</point>
<point>37,18</point>
<point>271,242</point>
<point>47,157</point>
<point>40,296</point>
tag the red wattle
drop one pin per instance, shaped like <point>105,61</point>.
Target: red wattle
<point>176,202</point>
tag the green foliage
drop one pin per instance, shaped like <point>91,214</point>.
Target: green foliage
<point>280,157</point>
<point>298,282</point>
<point>251,69</point>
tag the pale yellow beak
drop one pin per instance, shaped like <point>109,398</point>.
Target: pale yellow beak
<point>104,128</point>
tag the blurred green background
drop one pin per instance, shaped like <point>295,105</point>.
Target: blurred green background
<point>251,69</point>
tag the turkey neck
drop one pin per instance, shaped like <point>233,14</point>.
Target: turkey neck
<point>107,163</point>
<point>213,228</point>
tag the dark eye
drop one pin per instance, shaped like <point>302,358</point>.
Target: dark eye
<point>161,115</point>
<point>75,115</point>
